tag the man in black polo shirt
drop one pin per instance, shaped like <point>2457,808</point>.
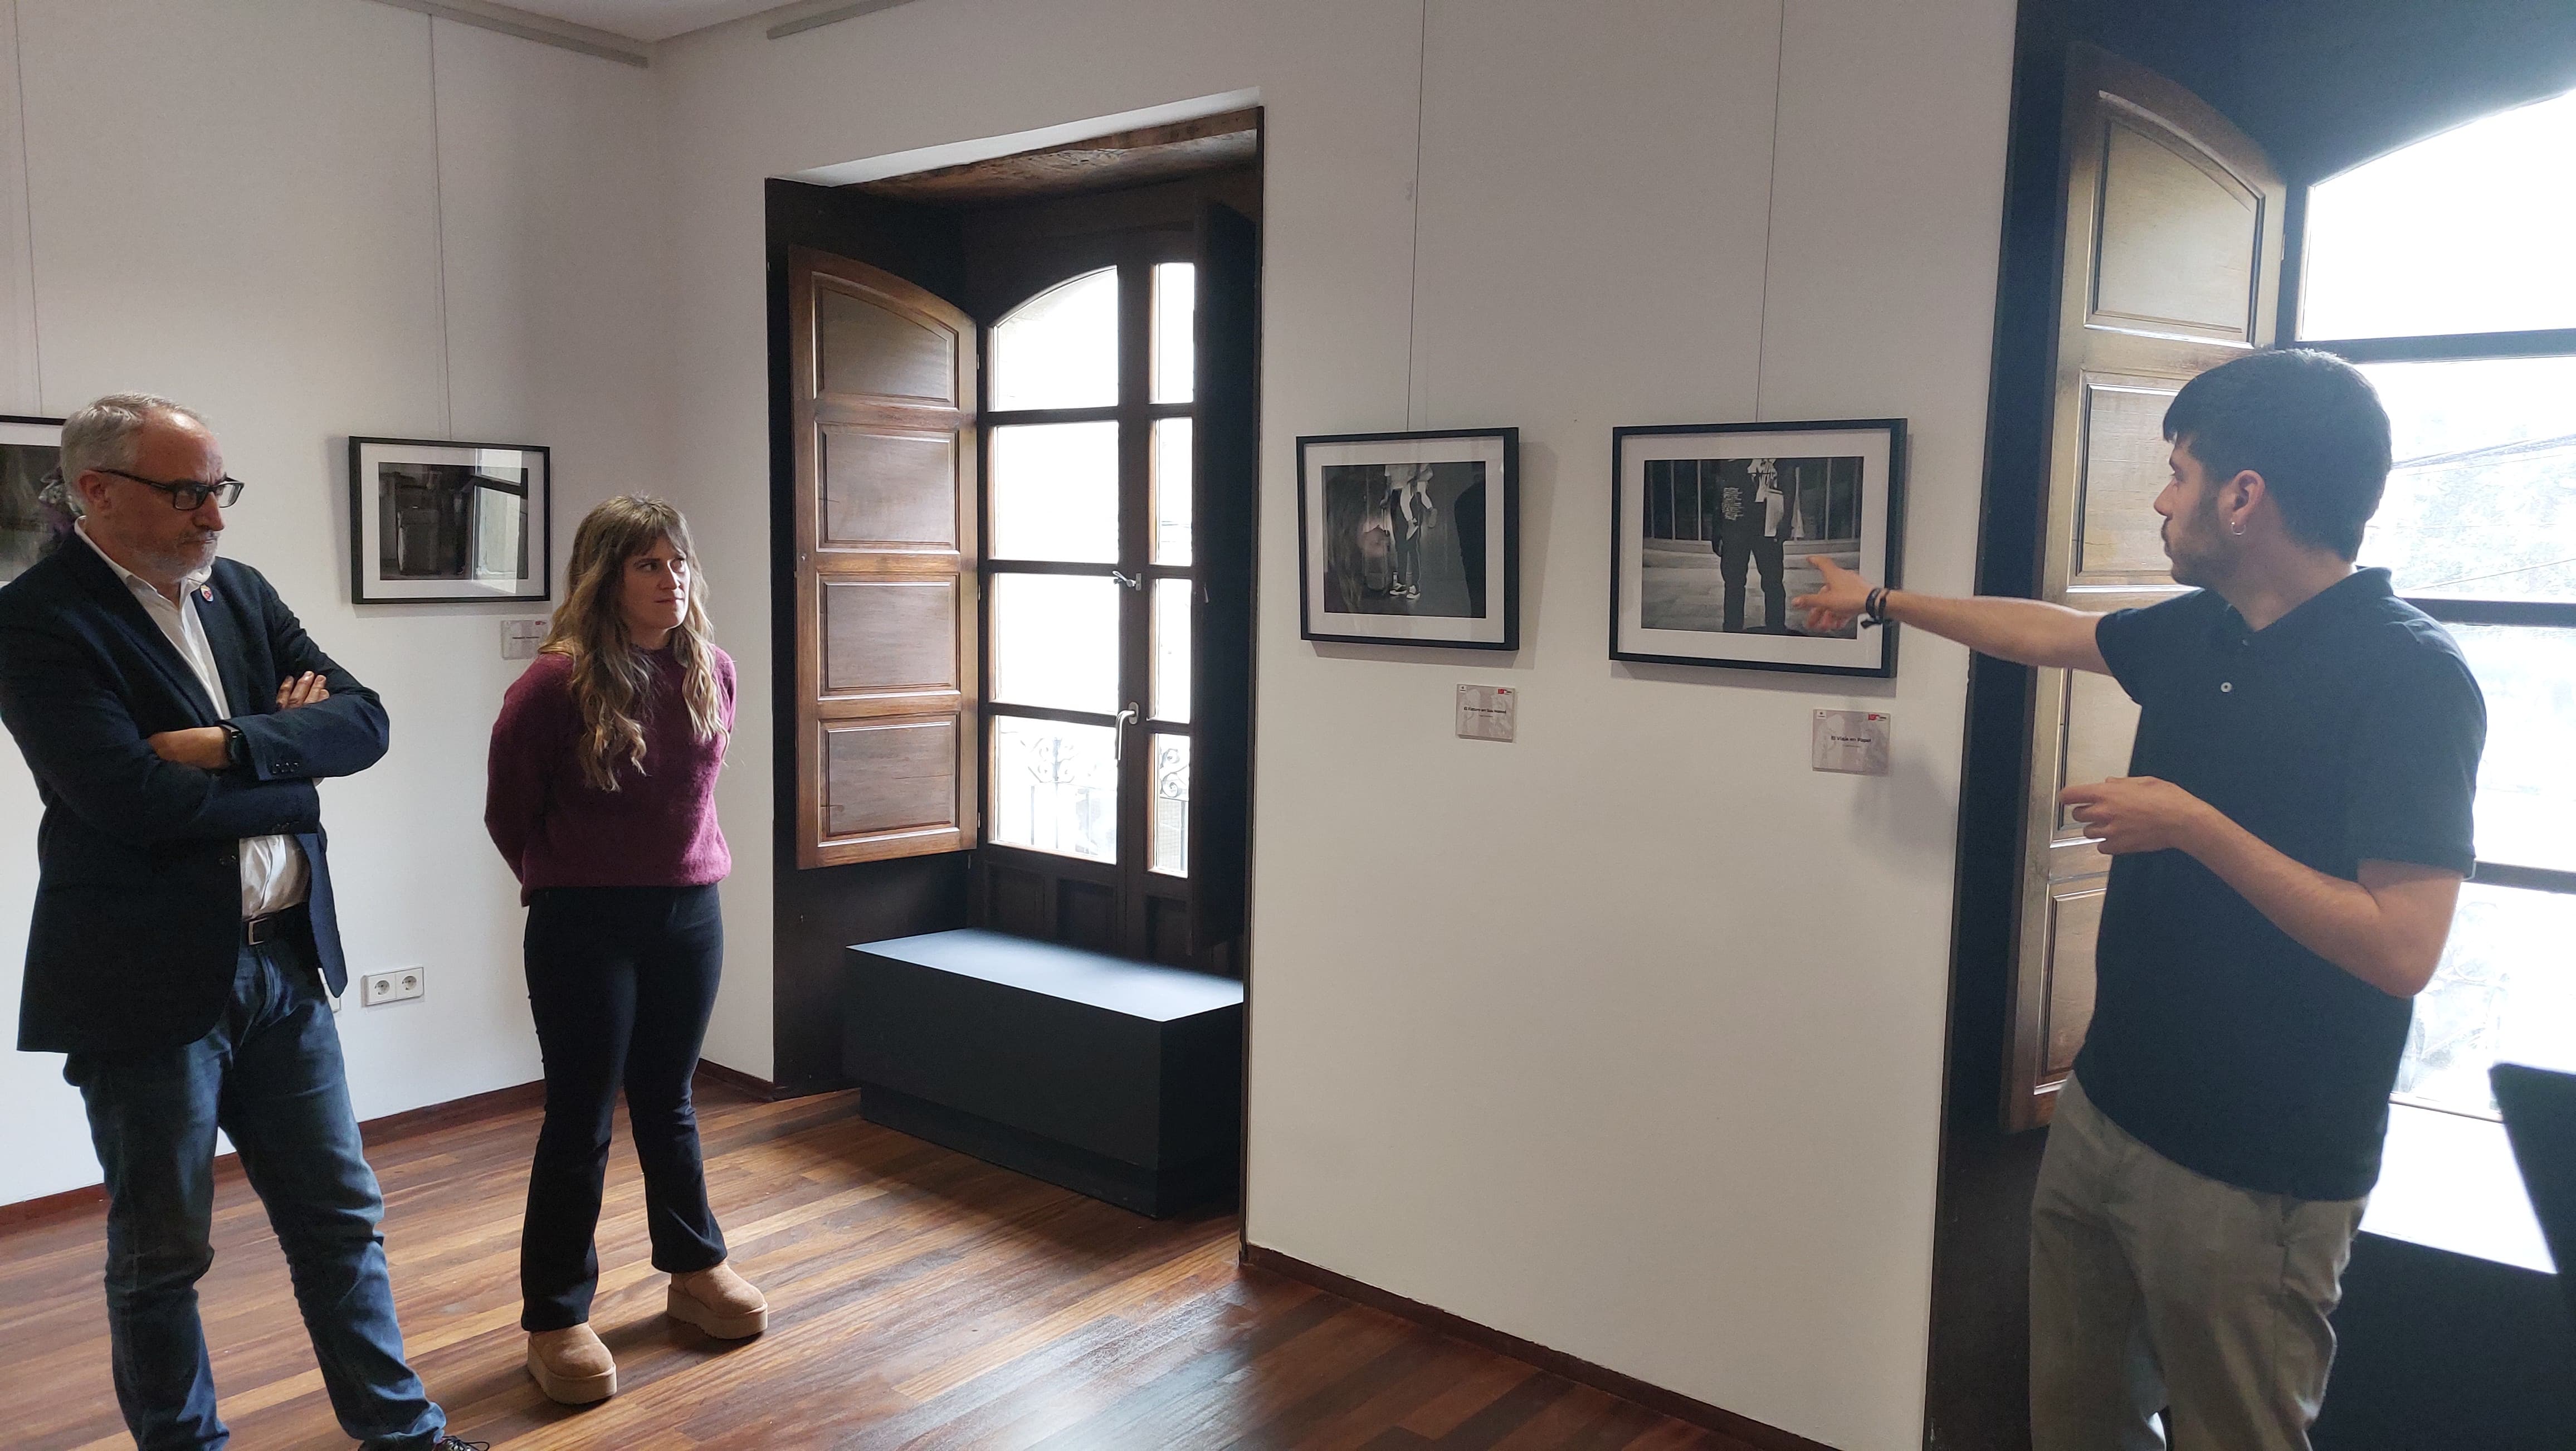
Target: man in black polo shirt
<point>2289,845</point>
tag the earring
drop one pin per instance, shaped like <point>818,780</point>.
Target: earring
<point>2237,527</point>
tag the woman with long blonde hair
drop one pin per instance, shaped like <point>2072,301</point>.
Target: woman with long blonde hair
<point>601,799</point>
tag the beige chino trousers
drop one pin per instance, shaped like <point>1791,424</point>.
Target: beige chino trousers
<point>2155,1287</point>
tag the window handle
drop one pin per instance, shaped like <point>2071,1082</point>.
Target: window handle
<point>1131,581</point>
<point>1118,734</point>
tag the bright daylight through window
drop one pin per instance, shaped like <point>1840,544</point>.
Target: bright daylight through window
<point>2442,270</point>
<point>1067,584</point>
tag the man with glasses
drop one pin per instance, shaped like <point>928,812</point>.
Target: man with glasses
<point>176,717</point>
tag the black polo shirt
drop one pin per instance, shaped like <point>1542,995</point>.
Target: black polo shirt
<point>2348,730</point>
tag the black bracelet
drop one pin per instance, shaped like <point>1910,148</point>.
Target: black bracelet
<point>1873,611</point>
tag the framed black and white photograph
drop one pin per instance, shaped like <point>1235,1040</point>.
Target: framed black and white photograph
<point>29,526</point>
<point>448,521</point>
<point>1712,528</point>
<point>1410,538</point>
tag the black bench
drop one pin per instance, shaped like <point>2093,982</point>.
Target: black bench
<point>1115,1079</point>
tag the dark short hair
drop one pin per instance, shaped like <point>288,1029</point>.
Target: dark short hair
<point>2308,422</point>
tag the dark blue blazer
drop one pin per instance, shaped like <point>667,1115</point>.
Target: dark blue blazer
<point>137,927</point>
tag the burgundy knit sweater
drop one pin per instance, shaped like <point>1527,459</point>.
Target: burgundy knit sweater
<point>555,829</point>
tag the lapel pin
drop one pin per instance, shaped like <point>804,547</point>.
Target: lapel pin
<point>206,592</point>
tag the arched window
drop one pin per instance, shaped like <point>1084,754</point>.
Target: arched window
<point>1059,349</point>
<point>2442,270</point>
<point>1089,572</point>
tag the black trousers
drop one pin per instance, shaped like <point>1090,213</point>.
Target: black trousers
<point>621,980</point>
<point>1735,547</point>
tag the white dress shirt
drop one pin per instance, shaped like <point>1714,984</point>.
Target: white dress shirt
<point>274,875</point>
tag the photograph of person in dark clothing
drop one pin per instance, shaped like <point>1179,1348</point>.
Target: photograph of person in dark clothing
<point>1409,538</point>
<point>1734,518</point>
<point>1751,512</point>
<point>1405,539</point>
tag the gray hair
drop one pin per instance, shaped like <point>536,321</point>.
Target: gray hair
<point>100,435</point>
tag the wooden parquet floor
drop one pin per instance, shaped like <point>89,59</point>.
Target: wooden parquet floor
<point>919,1298</point>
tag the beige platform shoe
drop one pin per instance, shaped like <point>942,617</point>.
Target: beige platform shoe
<point>571,1365</point>
<point>719,1302</point>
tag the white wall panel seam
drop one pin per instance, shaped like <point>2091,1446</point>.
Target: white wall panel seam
<point>29,351</point>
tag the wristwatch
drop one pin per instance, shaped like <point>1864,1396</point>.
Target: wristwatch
<point>236,746</point>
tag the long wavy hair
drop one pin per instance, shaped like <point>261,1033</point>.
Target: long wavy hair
<point>610,677</point>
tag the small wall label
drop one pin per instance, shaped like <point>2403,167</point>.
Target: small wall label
<point>1485,712</point>
<point>520,638</point>
<point>1853,742</point>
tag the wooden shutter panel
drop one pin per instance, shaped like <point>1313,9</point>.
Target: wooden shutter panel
<point>2171,265</point>
<point>883,390</point>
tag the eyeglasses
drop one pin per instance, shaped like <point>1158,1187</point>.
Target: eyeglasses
<point>187,495</point>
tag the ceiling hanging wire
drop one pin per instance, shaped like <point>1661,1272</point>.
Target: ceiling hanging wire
<point>27,196</point>
<point>1770,209</point>
<point>1413,259</point>
<point>438,230</point>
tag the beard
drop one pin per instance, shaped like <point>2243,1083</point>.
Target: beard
<point>186,555</point>
<point>2197,548</point>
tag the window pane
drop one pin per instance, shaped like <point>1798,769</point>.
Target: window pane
<point>1055,641</point>
<point>2505,992</point>
<point>2463,232</point>
<point>2482,503</point>
<point>1059,349</point>
<point>1055,492</point>
<point>1171,854</point>
<point>2526,791</point>
<point>1172,649</point>
<point>1172,491</point>
<point>1176,304</point>
<point>1055,787</point>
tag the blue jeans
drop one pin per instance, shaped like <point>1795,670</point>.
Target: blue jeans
<point>270,1076</point>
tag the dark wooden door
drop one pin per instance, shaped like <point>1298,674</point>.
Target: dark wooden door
<point>2171,265</point>
<point>1226,508</point>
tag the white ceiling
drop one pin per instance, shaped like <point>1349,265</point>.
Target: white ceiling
<point>646,20</point>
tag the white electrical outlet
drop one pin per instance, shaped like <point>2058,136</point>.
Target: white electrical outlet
<point>378,988</point>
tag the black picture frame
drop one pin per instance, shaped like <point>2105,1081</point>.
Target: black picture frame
<point>1458,599</point>
<point>30,450</point>
<point>454,535</point>
<point>1848,480</point>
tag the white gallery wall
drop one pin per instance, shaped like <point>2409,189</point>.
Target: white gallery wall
<point>313,218</point>
<point>1626,1037</point>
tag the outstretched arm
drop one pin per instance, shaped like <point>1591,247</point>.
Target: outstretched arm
<point>2027,632</point>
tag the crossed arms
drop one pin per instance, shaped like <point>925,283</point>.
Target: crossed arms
<point>81,739</point>
<point>2386,929</point>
